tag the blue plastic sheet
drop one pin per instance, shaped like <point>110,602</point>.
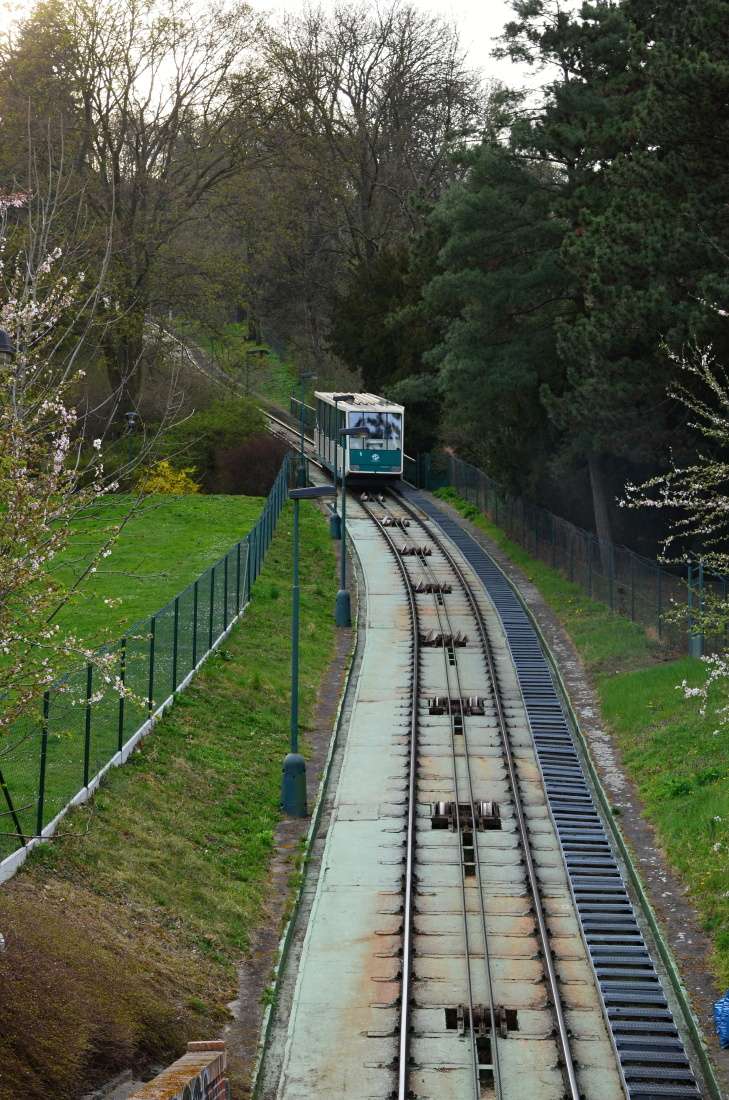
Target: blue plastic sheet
<point>721,1019</point>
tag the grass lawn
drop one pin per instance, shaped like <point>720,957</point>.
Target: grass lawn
<point>123,934</point>
<point>678,760</point>
<point>164,547</point>
<point>166,544</point>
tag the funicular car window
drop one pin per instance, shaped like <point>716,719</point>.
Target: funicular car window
<point>371,425</point>
<point>393,431</point>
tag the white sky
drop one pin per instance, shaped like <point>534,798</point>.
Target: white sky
<point>479,22</point>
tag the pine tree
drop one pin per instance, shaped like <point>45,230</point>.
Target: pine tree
<point>509,280</point>
<point>654,257</point>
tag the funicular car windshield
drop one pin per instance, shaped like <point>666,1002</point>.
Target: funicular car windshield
<point>380,430</point>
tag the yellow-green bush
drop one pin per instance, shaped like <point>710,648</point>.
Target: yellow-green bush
<point>164,478</point>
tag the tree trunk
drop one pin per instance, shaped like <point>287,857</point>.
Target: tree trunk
<point>600,509</point>
<point>124,366</point>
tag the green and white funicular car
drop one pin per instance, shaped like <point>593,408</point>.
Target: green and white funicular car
<point>375,450</point>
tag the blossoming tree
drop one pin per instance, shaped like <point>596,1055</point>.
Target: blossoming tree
<point>49,470</point>
<point>696,497</point>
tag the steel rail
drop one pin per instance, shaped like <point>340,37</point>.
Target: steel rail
<point>441,611</point>
<point>459,830</point>
<point>563,1033</point>
<point>407,947</point>
<point>428,569</point>
<point>291,435</point>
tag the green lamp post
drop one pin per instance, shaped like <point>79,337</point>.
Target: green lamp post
<point>335,523</point>
<point>293,782</point>
<point>343,605</point>
<point>303,379</point>
<point>131,418</point>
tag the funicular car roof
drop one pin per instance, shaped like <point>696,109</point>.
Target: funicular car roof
<point>368,402</point>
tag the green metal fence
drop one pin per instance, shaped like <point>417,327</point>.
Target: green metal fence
<point>84,727</point>
<point>295,409</point>
<point>631,585</point>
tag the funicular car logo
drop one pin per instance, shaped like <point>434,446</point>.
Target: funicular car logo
<point>375,458</point>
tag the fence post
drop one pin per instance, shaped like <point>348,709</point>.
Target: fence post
<point>150,691</point>
<point>225,592</point>
<point>659,598</point>
<point>237,581</point>
<point>43,758</point>
<point>632,588</point>
<point>174,644</point>
<point>87,721</point>
<point>194,624</point>
<point>696,641</point>
<point>122,681</point>
<point>247,589</point>
<point>11,807</point>
<point>211,617</point>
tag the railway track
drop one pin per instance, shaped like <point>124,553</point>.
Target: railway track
<point>480,805</point>
<point>490,917</point>
<point>523,972</point>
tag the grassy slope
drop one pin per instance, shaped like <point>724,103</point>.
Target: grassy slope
<point>168,542</point>
<point>123,935</point>
<point>270,377</point>
<point>677,759</point>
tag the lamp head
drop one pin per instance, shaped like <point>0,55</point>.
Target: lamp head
<point>312,492</point>
<point>7,347</point>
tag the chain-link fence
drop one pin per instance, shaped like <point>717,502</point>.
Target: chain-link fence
<point>83,727</point>
<point>629,584</point>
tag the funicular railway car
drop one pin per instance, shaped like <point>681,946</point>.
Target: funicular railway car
<point>376,450</point>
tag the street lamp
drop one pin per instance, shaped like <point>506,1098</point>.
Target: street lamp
<point>131,417</point>
<point>343,607</point>
<point>303,379</point>
<point>293,782</point>
<point>335,524</point>
<point>7,347</point>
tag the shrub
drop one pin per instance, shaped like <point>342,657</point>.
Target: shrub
<point>251,467</point>
<point>223,426</point>
<point>164,478</point>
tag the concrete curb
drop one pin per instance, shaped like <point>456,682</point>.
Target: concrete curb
<point>287,936</point>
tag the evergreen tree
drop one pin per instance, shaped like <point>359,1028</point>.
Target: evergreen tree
<point>509,280</point>
<point>655,252</point>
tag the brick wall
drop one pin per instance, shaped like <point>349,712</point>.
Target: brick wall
<point>198,1075</point>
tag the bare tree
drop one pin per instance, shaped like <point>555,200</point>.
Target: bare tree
<point>385,95</point>
<point>166,103</point>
